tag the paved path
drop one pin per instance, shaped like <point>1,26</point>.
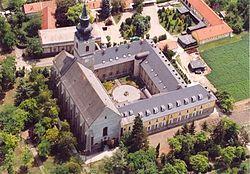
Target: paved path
<point>99,156</point>
<point>156,29</point>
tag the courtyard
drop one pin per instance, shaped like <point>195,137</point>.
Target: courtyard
<point>125,89</point>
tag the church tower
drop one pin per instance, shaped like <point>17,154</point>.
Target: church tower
<point>84,43</point>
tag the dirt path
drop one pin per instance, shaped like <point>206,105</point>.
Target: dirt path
<point>241,112</point>
<point>162,137</point>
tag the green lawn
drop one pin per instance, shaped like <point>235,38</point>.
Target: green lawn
<point>229,60</point>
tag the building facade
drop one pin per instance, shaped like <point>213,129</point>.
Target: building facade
<point>95,118</point>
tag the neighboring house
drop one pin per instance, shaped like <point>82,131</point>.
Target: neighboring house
<point>97,119</point>
<point>216,27</point>
<point>46,9</point>
<point>55,40</point>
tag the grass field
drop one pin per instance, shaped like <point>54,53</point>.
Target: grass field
<point>229,60</point>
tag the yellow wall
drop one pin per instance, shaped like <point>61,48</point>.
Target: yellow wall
<point>171,116</point>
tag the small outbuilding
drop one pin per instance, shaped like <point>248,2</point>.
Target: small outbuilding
<point>187,41</point>
<point>183,10</point>
<point>197,66</point>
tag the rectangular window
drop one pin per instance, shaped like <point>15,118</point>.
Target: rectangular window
<point>92,141</point>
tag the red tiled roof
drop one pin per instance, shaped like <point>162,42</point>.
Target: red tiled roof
<point>216,27</point>
<point>211,32</point>
<point>206,12</point>
<point>47,10</point>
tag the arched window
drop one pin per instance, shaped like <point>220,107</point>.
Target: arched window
<point>87,48</point>
<point>105,131</point>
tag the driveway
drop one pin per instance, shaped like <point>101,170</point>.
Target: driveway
<point>185,58</point>
<point>156,28</point>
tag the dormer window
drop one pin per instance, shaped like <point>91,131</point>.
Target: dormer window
<point>200,96</point>
<point>148,112</point>
<point>163,108</point>
<point>178,103</point>
<point>155,110</point>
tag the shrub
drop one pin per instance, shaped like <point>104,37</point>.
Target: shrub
<point>162,37</point>
<point>147,36</point>
<point>108,22</point>
<point>155,39</point>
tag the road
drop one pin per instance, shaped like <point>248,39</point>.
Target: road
<point>21,62</point>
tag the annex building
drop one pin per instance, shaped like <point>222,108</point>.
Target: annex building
<point>215,28</point>
<point>163,100</point>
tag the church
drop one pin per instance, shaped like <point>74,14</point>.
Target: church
<point>96,116</point>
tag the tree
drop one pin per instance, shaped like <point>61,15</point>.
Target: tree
<point>33,25</point>
<point>138,136</point>
<point>31,107</point>
<point>9,40</point>
<point>199,163</point>
<point>34,47</point>
<point>138,5</point>
<point>8,72</point>
<point>226,133</point>
<point>168,168</point>
<point>105,12</point>
<point>66,141</point>
<point>61,169</point>
<point>185,129</point>
<point>117,163</point>
<point>142,162</point>
<point>192,128</point>
<point>74,13</point>
<point>62,9</point>
<point>227,155</point>
<point>180,166</point>
<point>15,4</point>
<point>157,150</point>
<point>12,119</point>
<point>204,126</point>
<point>44,148</point>
<point>8,142</point>
<point>118,6</point>
<point>52,135</point>
<point>26,159</point>
<point>225,101</point>
<point>73,167</point>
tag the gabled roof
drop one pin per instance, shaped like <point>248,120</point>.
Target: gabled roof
<point>211,32</point>
<point>63,61</point>
<point>47,10</point>
<point>167,103</point>
<point>206,12</point>
<point>83,87</point>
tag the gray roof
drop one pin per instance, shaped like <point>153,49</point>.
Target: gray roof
<point>164,77</point>
<point>197,26</point>
<point>87,92</point>
<point>197,64</point>
<point>164,101</point>
<point>187,39</point>
<point>182,9</point>
<point>63,61</point>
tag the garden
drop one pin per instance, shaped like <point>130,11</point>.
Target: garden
<point>137,25</point>
<point>229,60</point>
<point>173,22</point>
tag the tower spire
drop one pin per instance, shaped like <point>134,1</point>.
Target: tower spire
<point>84,28</point>
<point>84,11</point>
